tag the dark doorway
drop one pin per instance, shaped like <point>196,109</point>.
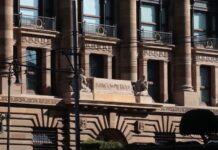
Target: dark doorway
<point>96,65</point>
<point>154,79</point>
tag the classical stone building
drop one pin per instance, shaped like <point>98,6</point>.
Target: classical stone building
<point>171,44</point>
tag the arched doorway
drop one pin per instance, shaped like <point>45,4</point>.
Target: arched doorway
<point>112,135</point>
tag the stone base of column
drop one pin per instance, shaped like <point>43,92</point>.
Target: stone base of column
<point>14,89</point>
<point>144,99</point>
<point>86,96</point>
<point>186,98</point>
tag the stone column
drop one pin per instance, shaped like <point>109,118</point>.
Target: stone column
<point>196,78</point>
<point>184,94</point>
<point>108,68</point>
<point>46,74</point>
<point>143,68</point>
<point>164,81</point>
<point>65,23</point>
<point>6,40</point>
<point>23,70</point>
<point>214,86</point>
<point>86,64</point>
<point>128,35</point>
<point>6,32</point>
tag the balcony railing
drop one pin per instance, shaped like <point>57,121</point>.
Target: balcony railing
<point>35,22</point>
<point>98,29</point>
<point>156,36</point>
<point>205,42</point>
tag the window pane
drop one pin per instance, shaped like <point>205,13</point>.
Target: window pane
<point>148,27</point>
<point>200,36</point>
<point>30,3</point>
<point>29,12</point>
<point>148,14</point>
<point>91,20</point>
<point>31,73</point>
<point>91,7</point>
<point>214,23</point>
<point>108,8</point>
<point>31,58</point>
<point>199,21</point>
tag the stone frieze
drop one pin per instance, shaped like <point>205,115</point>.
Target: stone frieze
<point>156,54</point>
<point>30,100</point>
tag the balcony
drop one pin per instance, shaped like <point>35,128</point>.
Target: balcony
<point>156,37</point>
<point>98,29</point>
<point>205,42</point>
<point>35,22</point>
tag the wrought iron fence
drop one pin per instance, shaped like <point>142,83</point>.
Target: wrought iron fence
<point>44,139</point>
<point>205,42</point>
<point>98,29</point>
<point>35,22</point>
<point>156,36</point>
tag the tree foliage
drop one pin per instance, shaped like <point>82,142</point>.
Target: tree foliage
<point>199,122</point>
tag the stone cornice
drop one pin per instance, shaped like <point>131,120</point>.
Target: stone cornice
<point>37,32</point>
<point>182,109</point>
<point>31,100</point>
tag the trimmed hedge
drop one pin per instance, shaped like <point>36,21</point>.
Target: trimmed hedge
<point>100,145</point>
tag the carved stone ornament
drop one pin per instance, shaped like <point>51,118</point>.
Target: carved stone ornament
<point>83,123</point>
<point>139,126</point>
<point>99,48</point>
<point>203,58</point>
<point>36,40</point>
<point>156,54</point>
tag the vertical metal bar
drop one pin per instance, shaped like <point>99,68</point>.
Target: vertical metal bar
<point>76,78</point>
<point>9,107</point>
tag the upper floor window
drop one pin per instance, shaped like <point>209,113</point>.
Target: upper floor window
<point>205,20</point>
<point>34,7</point>
<point>91,11</point>
<point>200,24</point>
<point>97,11</point>
<point>153,16</point>
<point>29,7</point>
<point>148,17</point>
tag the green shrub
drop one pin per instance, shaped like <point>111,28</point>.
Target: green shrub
<point>100,145</point>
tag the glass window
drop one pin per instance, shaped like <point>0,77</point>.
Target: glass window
<point>28,12</point>
<point>148,27</point>
<point>33,72</point>
<point>148,14</point>
<point>91,20</point>
<point>29,3</point>
<point>108,12</point>
<point>29,7</point>
<point>205,84</point>
<point>199,21</point>
<point>91,7</point>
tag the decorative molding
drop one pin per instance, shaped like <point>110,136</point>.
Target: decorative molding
<point>34,40</point>
<point>31,100</point>
<point>206,59</point>
<point>181,110</point>
<point>99,48</point>
<point>157,54</point>
<point>139,126</point>
<point>83,123</point>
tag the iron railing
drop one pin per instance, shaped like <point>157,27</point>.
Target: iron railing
<point>35,22</point>
<point>205,42</point>
<point>98,29</point>
<point>156,36</point>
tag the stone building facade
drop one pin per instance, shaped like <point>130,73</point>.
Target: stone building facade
<point>172,44</point>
